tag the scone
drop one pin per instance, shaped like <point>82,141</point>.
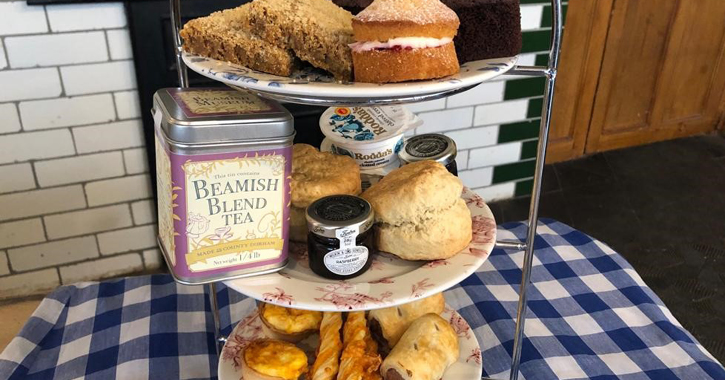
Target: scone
<point>419,212</point>
<point>402,40</point>
<point>290,325</point>
<point>268,359</point>
<point>424,352</point>
<point>315,175</point>
<point>388,324</point>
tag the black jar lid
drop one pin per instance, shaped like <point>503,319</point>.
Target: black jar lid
<point>329,214</point>
<point>429,146</point>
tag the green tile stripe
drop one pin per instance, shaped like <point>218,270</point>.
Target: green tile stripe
<point>523,88</point>
<point>546,15</point>
<point>535,41</point>
<point>523,130</point>
<point>535,1</point>
<point>514,171</point>
<point>542,59</point>
<point>534,108</point>
<point>528,149</point>
<point>524,187</point>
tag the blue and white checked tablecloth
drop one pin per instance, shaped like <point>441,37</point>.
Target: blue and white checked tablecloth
<point>591,316</point>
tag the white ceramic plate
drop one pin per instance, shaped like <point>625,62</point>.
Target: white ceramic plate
<point>249,328</point>
<point>311,86</point>
<point>390,281</point>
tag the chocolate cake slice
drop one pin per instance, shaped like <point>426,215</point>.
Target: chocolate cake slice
<point>489,28</point>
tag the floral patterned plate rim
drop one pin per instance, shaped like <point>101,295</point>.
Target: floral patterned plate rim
<point>312,83</point>
<point>390,281</point>
<point>249,328</point>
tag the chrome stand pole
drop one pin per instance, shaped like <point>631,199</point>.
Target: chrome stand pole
<point>176,28</point>
<point>219,340</point>
<point>536,191</point>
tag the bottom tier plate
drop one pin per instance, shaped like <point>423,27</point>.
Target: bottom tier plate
<point>249,328</point>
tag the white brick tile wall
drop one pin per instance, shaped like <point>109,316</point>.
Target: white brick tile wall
<point>119,135</point>
<point>35,145</point>
<point>144,212</point>
<point>437,121</point>
<point>16,177</point>
<point>498,191</point>
<point>56,49</point>
<point>16,17</point>
<point>495,155</point>
<point>29,84</point>
<point>430,105</point>
<point>79,169</point>
<point>4,269</point>
<point>504,112</point>
<point>488,92</point>
<point>119,43</point>
<point>476,177</point>
<point>41,202</point>
<point>64,18</point>
<point>66,112</point>
<point>474,137</point>
<point>98,77</point>
<point>24,284</point>
<point>9,120</point>
<point>152,258</point>
<point>531,16</point>
<point>462,159</point>
<point>135,160</point>
<point>103,268</point>
<point>53,253</point>
<point>127,104</point>
<point>3,61</point>
<point>88,221</point>
<point>13,234</point>
<point>136,238</point>
<point>118,190</point>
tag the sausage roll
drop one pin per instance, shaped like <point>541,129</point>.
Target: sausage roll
<point>327,362</point>
<point>424,352</point>
<point>388,325</point>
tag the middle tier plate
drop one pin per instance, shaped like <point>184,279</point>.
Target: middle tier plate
<point>310,86</point>
<point>390,281</point>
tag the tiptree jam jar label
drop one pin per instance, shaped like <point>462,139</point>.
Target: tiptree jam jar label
<point>223,212</point>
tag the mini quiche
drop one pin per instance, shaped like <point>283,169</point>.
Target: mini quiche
<point>290,325</point>
<point>268,359</point>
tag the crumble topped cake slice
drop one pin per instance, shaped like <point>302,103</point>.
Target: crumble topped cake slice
<point>225,35</point>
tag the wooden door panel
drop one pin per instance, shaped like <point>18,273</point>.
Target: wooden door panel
<point>662,74</point>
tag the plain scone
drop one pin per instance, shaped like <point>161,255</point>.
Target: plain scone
<point>225,36</point>
<point>315,175</point>
<point>419,212</point>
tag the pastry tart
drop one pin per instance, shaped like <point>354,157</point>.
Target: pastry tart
<point>287,324</point>
<point>268,359</point>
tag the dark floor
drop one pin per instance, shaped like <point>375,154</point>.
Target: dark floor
<point>662,206</point>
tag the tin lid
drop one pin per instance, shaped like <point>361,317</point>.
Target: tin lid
<point>331,213</point>
<point>365,125</point>
<point>429,146</point>
<point>203,115</point>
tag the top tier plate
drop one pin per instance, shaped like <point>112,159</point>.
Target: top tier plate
<point>314,87</point>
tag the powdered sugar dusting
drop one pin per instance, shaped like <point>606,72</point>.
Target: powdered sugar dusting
<point>418,11</point>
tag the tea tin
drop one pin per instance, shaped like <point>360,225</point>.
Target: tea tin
<point>223,163</point>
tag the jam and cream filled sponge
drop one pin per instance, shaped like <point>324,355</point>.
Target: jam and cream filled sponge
<point>402,40</point>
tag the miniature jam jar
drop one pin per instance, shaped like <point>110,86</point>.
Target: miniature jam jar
<point>223,163</point>
<point>340,241</point>
<point>430,146</point>
<point>372,136</point>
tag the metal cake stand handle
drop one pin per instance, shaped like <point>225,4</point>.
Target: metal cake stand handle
<point>549,72</point>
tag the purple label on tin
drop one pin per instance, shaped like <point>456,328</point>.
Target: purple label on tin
<point>220,213</point>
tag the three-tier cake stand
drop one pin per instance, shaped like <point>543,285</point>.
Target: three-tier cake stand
<point>549,72</point>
